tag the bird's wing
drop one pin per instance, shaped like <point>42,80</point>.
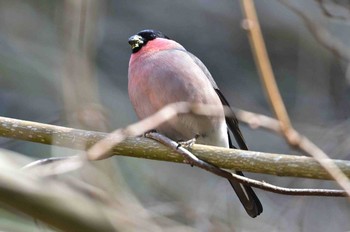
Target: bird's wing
<point>245,194</point>
<point>231,121</point>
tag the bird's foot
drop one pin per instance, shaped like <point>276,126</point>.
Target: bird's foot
<point>188,143</point>
<point>149,132</point>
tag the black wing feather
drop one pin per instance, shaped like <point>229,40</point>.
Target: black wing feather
<point>245,193</point>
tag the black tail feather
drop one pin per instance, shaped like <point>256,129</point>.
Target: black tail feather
<point>246,195</point>
<point>248,198</point>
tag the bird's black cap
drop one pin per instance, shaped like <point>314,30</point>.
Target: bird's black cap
<point>141,38</point>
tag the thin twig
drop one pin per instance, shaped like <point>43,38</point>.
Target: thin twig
<point>258,121</point>
<point>195,161</point>
<point>260,54</point>
<point>251,24</point>
<point>324,37</point>
<point>55,165</point>
<point>327,12</point>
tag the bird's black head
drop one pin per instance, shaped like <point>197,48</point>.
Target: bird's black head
<point>140,39</point>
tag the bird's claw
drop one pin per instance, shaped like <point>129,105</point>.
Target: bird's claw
<point>149,132</point>
<point>188,143</point>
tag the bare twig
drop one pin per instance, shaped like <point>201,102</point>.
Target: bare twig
<point>324,37</point>
<point>256,121</point>
<point>251,24</point>
<point>266,74</point>
<point>305,144</point>
<point>55,165</point>
<point>195,161</point>
<point>328,13</point>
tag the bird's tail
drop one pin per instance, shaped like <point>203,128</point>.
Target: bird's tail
<point>246,195</point>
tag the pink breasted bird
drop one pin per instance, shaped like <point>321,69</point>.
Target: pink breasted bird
<point>161,71</point>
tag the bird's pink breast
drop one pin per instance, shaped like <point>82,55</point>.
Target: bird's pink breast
<point>140,67</point>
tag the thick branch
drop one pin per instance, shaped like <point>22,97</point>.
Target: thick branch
<point>250,161</point>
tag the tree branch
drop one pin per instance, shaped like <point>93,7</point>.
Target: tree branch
<point>267,163</point>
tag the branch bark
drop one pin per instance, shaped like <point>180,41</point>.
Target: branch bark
<point>139,147</point>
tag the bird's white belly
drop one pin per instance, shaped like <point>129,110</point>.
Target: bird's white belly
<point>210,130</point>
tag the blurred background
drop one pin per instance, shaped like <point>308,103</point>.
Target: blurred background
<point>65,63</point>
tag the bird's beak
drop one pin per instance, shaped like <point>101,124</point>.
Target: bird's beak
<point>135,41</point>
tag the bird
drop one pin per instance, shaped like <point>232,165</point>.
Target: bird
<point>161,71</point>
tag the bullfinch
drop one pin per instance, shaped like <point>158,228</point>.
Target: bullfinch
<point>161,71</point>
